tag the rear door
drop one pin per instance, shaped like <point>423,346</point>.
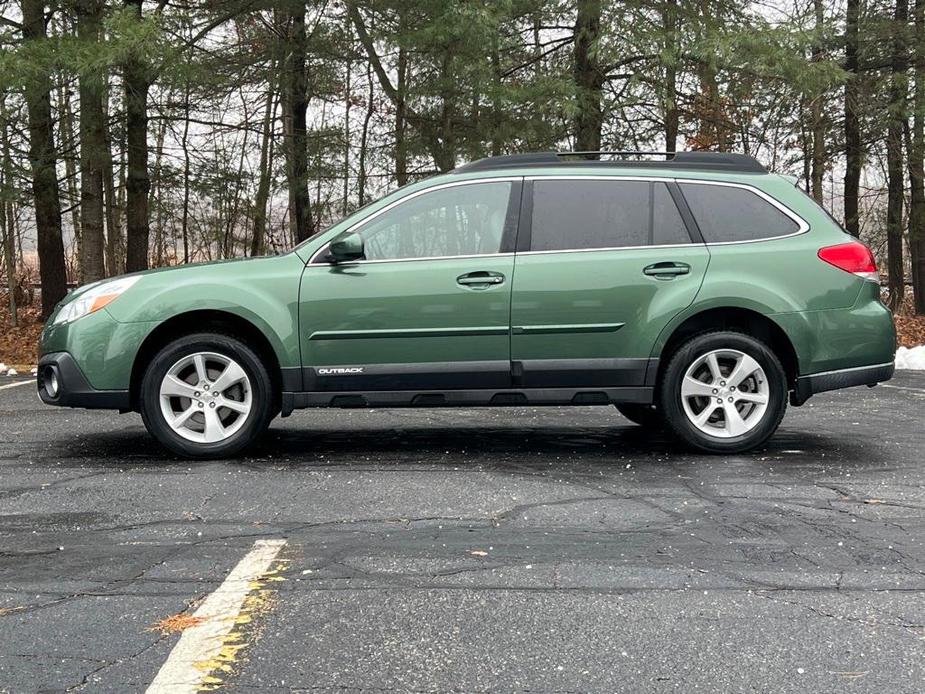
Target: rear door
<point>603,264</point>
<point>428,307</point>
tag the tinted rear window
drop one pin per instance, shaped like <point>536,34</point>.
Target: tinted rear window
<point>584,214</point>
<point>725,213</point>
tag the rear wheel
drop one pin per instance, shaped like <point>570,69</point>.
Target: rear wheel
<point>206,396</point>
<point>644,415</point>
<point>724,392</point>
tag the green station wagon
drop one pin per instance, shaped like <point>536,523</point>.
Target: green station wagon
<point>700,293</point>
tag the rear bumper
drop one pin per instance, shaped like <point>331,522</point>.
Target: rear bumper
<point>72,388</point>
<point>807,386</point>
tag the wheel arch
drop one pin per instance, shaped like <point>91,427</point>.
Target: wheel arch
<point>199,321</point>
<point>737,318</point>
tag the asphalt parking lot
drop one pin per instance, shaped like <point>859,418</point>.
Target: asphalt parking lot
<point>528,550</point>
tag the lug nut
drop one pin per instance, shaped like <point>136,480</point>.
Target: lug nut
<point>215,394</point>
<point>212,404</point>
<point>714,391</point>
<point>200,404</point>
<point>196,393</point>
<point>719,400</point>
<point>730,399</point>
<point>722,383</point>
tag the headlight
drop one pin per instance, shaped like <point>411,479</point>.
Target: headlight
<point>94,298</point>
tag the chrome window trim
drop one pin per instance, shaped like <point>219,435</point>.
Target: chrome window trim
<point>802,224</point>
<point>400,201</point>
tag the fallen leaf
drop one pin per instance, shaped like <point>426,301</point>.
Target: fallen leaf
<point>175,623</point>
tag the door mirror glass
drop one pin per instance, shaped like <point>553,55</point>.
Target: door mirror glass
<point>346,247</point>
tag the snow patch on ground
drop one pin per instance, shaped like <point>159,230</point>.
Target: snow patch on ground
<point>911,358</point>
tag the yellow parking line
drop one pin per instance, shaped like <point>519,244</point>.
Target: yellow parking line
<point>183,671</point>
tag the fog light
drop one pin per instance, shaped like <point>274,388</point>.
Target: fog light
<point>51,382</point>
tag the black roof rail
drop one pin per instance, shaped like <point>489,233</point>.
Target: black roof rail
<point>704,161</point>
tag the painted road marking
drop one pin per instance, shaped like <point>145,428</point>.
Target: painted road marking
<point>13,385</point>
<point>914,390</point>
<point>202,643</point>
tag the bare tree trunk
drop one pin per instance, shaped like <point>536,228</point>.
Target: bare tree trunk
<point>69,154</point>
<point>671,48</point>
<point>138,183</point>
<point>853,151</point>
<point>42,157</point>
<point>401,115</point>
<point>296,104</point>
<point>113,228</point>
<point>348,104</point>
<point>6,220</point>
<point>364,138</point>
<point>184,143</point>
<point>154,199</point>
<point>588,76</point>
<point>817,117</point>
<point>92,146</point>
<point>259,239</point>
<point>917,166</point>
<point>894,153</point>
<point>497,117</point>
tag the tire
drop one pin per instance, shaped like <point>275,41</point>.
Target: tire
<point>647,416</point>
<point>193,421</point>
<point>719,414</point>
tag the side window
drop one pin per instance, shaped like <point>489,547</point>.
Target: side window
<point>725,213</point>
<point>586,214</point>
<point>459,220</point>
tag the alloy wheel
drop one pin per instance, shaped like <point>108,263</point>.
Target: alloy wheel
<point>725,393</point>
<point>206,397</point>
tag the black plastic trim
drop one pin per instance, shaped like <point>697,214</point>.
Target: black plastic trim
<point>73,388</point>
<point>687,216</point>
<point>583,373</point>
<point>704,161</point>
<point>525,222</point>
<point>416,376</point>
<point>512,218</point>
<point>807,386</point>
<point>468,398</point>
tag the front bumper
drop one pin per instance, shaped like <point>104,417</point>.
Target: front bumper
<point>61,382</point>
<point>807,386</point>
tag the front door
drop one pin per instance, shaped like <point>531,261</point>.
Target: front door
<point>428,307</point>
<point>606,264</point>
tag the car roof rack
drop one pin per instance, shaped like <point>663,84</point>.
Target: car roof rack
<point>702,161</point>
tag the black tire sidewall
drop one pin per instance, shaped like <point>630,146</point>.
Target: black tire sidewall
<point>670,391</point>
<point>261,394</point>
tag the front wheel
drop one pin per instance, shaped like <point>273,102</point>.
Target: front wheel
<point>724,392</point>
<point>206,396</point>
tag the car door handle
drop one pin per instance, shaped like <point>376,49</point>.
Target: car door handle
<point>480,279</point>
<point>665,271</point>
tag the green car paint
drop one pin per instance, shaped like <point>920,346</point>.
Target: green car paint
<point>547,320</point>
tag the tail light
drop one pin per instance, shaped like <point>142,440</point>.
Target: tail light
<point>853,257</point>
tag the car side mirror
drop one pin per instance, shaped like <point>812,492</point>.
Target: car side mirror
<point>346,247</point>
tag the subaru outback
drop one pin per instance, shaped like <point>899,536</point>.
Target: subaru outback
<point>699,293</point>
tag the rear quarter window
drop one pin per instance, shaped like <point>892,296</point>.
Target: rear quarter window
<point>730,214</point>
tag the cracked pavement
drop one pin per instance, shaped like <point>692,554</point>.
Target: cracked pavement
<point>494,550</point>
